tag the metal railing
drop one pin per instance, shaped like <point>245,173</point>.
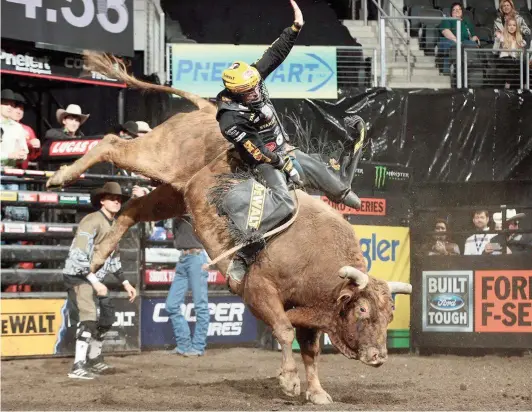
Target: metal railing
<point>356,66</point>
<point>429,53</point>
<point>504,68</point>
<point>154,57</point>
<point>529,67</point>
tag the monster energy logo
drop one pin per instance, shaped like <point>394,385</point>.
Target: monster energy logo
<point>380,176</point>
<point>382,172</point>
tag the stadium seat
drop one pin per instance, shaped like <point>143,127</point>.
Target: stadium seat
<point>443,4</point>
<point>430,33</point>
<point>484,16</point>
<point>485,35</point>
<point>526,15</point>
<point>408,4</point>
<point>417,11</point>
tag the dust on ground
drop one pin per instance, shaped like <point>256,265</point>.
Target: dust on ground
<point>245,379</point>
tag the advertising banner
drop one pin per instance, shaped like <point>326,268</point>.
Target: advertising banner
<point>307,72</point>
<point>369,207</point>
<point>447,301</point>
<point>231,321</point>
<point>30,326</point>
<point>503,301</point>
<point>166,276</point>
<point>387,253</point>
<point>22,60</point>
<point>42,327</point>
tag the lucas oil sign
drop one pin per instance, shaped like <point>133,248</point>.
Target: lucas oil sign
<point>448,301</point>
<point>230,321</point>
<point>503,301</point>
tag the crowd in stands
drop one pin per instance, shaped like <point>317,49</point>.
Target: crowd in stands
<point>488,242</point>
<point>501,26</point>
<point>22,149</point>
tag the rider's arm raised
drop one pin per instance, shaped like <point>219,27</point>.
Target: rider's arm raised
<point>277,52</point>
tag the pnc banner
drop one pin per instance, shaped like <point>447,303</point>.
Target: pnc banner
<point>308,71</point>
<point>503,301</point>
<point>387,253</point>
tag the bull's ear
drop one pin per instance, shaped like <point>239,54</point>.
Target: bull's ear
<point>345,296</point>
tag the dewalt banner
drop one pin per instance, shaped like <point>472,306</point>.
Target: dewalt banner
<point>387,253</point>
<point>30,326</point>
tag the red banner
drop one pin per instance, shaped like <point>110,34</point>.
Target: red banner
<point>71,147</point>
<point>369,207</point>
<point>166,276</point>
<point>503,301</point>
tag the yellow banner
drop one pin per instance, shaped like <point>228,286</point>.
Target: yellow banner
<point>387,253</point>
<point>8,196</point>
<point>30,326</point>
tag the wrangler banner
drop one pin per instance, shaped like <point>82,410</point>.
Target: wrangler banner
<point>308,71</point>
<point>387,253</point>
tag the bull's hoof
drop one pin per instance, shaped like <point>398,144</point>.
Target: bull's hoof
<point>290,383</point>
<point>58,179</point>
<point>318,397</point>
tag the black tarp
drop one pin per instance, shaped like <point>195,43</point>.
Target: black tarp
<point>443,135</point>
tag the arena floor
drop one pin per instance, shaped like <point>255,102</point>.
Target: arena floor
<point>244,379</point>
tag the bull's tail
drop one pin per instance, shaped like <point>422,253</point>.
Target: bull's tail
<point>113,67</point>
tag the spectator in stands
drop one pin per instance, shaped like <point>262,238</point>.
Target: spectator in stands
<point>448,30</point>
<point>475,244</point>
<point>507,11</point>
<point>189,272</point>
<point>14,147</point>
<point>34,144</point>
<point>515,242</point>
<point>143,128</point>
<point>71,120</point>
<point>509,57</point>
<point>86,292</point>
<point>128,130</point>
<point>440,246</point>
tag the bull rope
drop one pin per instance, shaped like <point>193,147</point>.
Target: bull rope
<point>272,232</point>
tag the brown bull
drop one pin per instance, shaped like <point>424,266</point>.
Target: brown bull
<point>311,276</point>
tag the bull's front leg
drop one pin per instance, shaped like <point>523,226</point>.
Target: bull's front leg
<point>162,203</point>
<point>309,342</point>
<point>99,153</point>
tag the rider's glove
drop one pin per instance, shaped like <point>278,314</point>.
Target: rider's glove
<point>290,170</point>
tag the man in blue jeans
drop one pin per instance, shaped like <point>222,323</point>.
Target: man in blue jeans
<point>189,273</point>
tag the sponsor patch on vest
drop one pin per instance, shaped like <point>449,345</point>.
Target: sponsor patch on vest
<point>256,205</point>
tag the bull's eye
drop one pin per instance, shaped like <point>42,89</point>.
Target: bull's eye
<point>363,310</point>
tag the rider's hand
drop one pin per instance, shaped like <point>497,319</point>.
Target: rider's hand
<point>290,170</point>
<point>131,291</point>
<point>100,288</point>
<point>294,176</point>
<point>298,16</point>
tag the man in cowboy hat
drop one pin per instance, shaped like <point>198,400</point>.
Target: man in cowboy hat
<point>13,142</point>
<point>70,119</point>
<point>86,292</point>
<point>128,130</point>
<point>515,242</point>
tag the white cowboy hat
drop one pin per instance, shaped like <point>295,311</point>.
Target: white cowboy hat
<point>143,127</point>
<point>72,109</point>
<point>511,214</point>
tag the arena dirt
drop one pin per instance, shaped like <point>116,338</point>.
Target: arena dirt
<point>245,379</point>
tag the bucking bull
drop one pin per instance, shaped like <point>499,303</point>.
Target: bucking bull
<point>312,276</point>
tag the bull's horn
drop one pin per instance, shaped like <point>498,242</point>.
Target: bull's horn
<point>359,277</point>
<point>400,287</point>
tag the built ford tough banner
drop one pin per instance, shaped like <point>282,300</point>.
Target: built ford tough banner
<point>308,71</point>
